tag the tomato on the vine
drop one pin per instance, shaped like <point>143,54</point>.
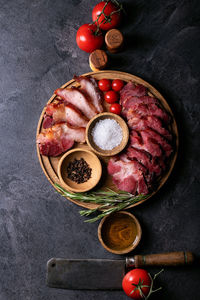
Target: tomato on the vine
<point>117,85</point>
<point>113,17</point>
<point>88,39</point>
<point>135,283</point>
<point>105,84</point>
<point>116,108</point>
<point>111,97</point>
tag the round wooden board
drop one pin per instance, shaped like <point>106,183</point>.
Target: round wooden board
<point>49,164</point>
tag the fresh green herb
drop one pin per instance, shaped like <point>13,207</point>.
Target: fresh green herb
<point>109,201</point>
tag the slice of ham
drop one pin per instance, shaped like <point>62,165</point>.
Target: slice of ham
<point>47,122</point>
<point>77,98</point>
<point>62,112</point>
<point>151,109</point>
<point>59,138</point>
<point>133,102</point>
<point>141,123</point>
<point>145,159</point>
<point>127,175</point>
<point>145,143</point>
<point>150,134</point>
<point>90,86</point>
<point>132,90</point>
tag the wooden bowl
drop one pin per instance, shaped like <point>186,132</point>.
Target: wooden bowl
<point>89,137</point>
<point>105,228</point>
<point>93,162</point>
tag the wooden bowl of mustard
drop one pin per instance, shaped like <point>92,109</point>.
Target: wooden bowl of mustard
<point>107,134</point>
<point>79,170</point>
<point>120,232</point>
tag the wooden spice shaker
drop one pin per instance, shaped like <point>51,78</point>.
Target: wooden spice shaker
<point>98,60</point>
<point>114,40</point>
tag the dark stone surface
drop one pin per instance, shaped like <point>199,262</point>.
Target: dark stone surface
<point>38,53</point>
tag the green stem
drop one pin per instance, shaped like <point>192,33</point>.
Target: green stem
<point>108,201</point>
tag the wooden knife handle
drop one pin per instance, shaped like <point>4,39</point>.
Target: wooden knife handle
<point>163,259</point>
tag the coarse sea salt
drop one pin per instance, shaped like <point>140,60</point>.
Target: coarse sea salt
<point>107,134</point>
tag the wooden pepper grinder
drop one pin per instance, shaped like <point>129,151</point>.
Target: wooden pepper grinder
<point>98,60</point>
<point>114,40</point>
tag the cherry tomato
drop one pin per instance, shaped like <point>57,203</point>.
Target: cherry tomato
<point>86,38</point>
<point>105,85</point>
<point>111,97</point>
<point>117,85</point>
<point>136,279</point>
<point>116,108</point>
<point>110,8</point>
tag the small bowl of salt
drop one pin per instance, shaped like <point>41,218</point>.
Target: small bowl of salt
<point>107,134</point>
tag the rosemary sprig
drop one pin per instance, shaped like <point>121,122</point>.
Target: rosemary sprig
<point>109,201</point>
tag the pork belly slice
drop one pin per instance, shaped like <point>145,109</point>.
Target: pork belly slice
<point>77,98</point>
<point>59,138</point>
<point>150,134</point>
<point>145,143</point>
<point>90,86</point>
<point>127,175</point>
<point>151,109</point>
<point>62,112</point>
<point>141,123</point>
<point>146,160</point>
<point>132,90</point>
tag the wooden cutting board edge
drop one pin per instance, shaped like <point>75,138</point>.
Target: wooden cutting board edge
<point>46,165</point>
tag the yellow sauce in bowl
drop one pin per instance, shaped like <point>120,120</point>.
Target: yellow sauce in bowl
<point>119,232</point>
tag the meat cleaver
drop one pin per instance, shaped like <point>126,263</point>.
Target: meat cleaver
<point>105,274</point>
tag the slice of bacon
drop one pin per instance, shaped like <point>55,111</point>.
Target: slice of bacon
<point>128,175</point>
<point>77,98</point>
<point>62,112</point>
<point>90,86</point>
<point>59,138</point>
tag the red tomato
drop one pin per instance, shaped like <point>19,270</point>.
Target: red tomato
<point>110,8</point>
<point>111,97</point>
<point>116,108</point>
<point>105,85</point>
<point>117,85</point>
<point>136,279</point>
<point>86,38</point>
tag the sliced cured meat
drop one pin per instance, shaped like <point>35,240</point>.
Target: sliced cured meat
<point>145,159</point>
<point>133,102</point>
<point>132,90</point>
<point>151,109</point>
<point>89,85</point>
<point>127,175</point>
<point>77,98</point>
<point>47,122</point>
<point>59,138</point>
<point>150,134</point>
<point>145,143</point>
<point>141,123</point>
<point>62,112</point>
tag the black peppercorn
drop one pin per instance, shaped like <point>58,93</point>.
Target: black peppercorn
<point>79,171</point>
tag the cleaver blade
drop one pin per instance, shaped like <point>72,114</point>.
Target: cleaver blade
<point>87,274</point>
<point>106,274</point>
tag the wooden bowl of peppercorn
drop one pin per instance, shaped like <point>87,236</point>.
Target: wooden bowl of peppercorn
<point>79,170</point>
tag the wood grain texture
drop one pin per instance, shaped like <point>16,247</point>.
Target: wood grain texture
<point>50,164</point>
<point>164,259</point>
